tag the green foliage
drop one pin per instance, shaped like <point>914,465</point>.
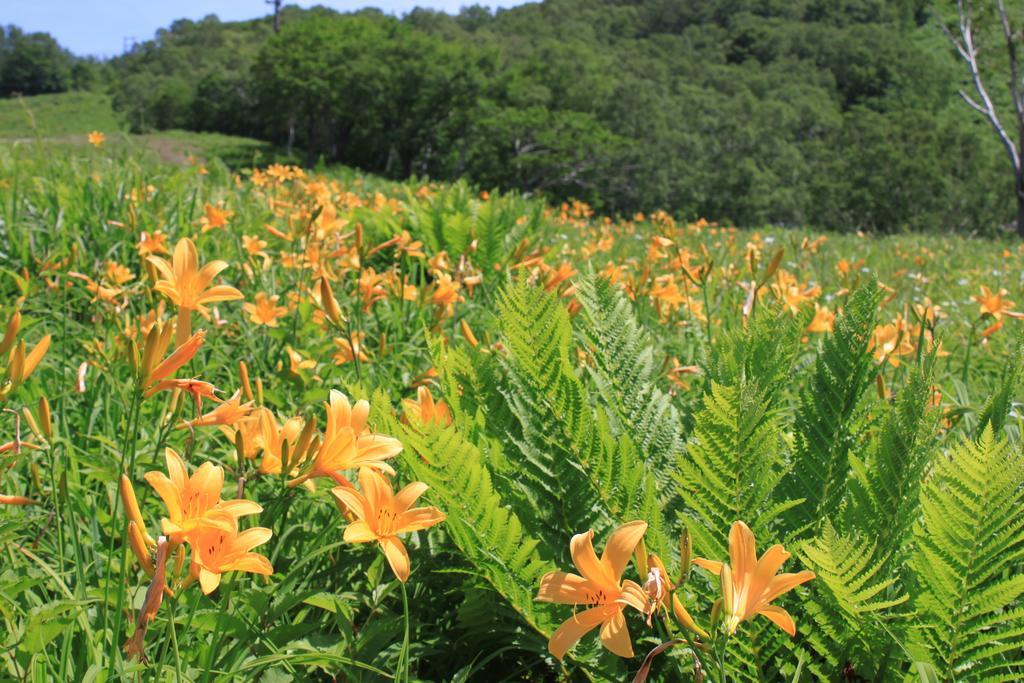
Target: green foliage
<point>625,373</point>
<point>827,421</point>
<point>970,542</point>
<point>886,476</point>
<point>32,63</point>
<point>851,602</point>
<point>487,533</point>
<point>735,458</point>
<point>845,117</point>
<point>570,458</point>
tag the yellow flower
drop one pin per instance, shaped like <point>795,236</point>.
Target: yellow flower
<point>96,138</point>
<point>215,217</point>
<point>424,409</point>
<point>265,310</point>
<point>750,584</point>
<point>349,444</point>
<point>217,550</point>
<point>995,305</point>
<point>193,503</point>
<point>381,515</point>
<point>229,412</point>
<point>188,286</point>
<point>600,587</point>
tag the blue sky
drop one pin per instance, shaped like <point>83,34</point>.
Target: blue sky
<point>101,27</point>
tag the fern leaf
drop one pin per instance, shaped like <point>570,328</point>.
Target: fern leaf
<point>826,419</point>
<point>970,542</point>
<point>625,371</point>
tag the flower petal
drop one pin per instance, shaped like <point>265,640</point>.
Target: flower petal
<point>408,495</point>
<point>785,582</point>
<point>359,532</point>
<point>254,563</point>
<point>780,618</point>
<point>219,293</point>
<point>418,518</point>
<point>353,500</point>
<point>710,565</point>
<point>167,491</point>
<point>574,628</point>
<point>583,556</point>
<point>564,588</point>
<point>620,546</point>
<point>208,581</point>
<point>615,636</point>
<point>397,556</point>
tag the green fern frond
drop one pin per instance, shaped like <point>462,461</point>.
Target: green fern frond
<point>850,602</point>
<point>997,407</point>
<point>735,456</point>
<point>970,544</point>
<point>884,486</point>
<point>826,423</point>
<point>567,445</point>
<point>731,467</point>
<point>486,532</point>
<point>625,371</point>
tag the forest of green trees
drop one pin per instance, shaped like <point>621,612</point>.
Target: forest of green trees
<point>825,113</point>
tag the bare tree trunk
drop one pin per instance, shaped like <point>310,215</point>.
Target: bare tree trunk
<point>968,50</point>
<point>277,14</point>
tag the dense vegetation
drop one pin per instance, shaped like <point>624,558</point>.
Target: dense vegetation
<point>838,115</point>
<point>545,372</point>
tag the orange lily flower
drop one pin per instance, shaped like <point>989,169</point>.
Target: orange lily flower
<point>215,217</point>
<point>890,341</point>
<point>96,138</point>
<point>229,412</point>
<point>350,349</point>
<point>381,515</point>
<point>995,305</point>
<point>425,409</point>
<point>273,438</point>
<point>598,585</point>
<point>216,550</point>
<point>188,286</point>
<point>265,311</point>
<point>750,584</point>
<point>348,443</point>
<point>193,503</point>
<point>824,320</point>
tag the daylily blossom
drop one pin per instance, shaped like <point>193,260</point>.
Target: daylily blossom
<point>600,587</point>
<point>96,138</point>
<point>995,305</point>
<point>264,310</point>
<point>193,503</point>
<point>750,584</point>
<point>424,409</point>
<point>188,286</point>
<point>229,412</point>
<point>381,514</point>
<point>348,443</point>
<point>216,550</point>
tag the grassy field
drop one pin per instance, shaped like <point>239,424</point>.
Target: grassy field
<point>218,381</point>
<point>67,118</point>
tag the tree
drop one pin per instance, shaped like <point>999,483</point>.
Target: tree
<point>32,63</point>
<point>1012,139</point>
